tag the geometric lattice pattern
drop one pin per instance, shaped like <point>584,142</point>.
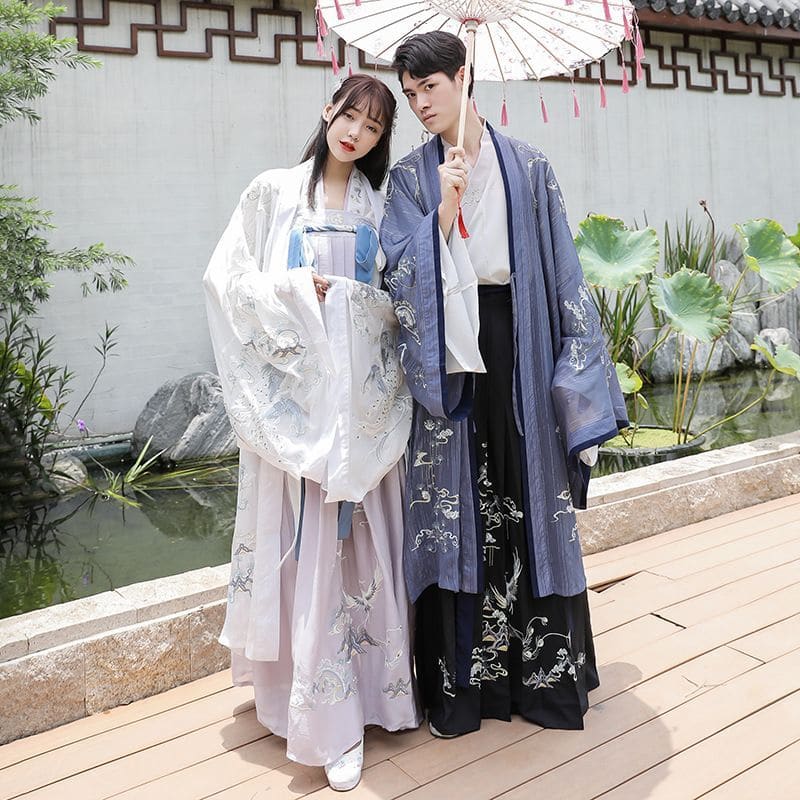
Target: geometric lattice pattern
<point>274,35</point>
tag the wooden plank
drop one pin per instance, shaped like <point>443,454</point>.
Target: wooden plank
<point>636,584</point>
<point>776,777</point>
<point>96,750</point>
<point>226,769</point>
<point>629,637</point>
<point>687,531</point>
<point>380,782</point>
<point>288,781</point>
<point>596,599</point>
<point>235,773</point>
<point>634,752</point>
<point>722,756</point>
<point>620,612</point>
<point>709,541</point>
<point>733,595</point>
<point>769,643</point>
<point>746,546</point>
<point>691,642</point>
<point>19,750</point>
<point>146,765</point>
<point>445,771</point>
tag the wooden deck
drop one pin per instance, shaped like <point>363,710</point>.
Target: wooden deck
<point>698,636</point>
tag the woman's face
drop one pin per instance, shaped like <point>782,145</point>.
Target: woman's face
<point>352,134</point>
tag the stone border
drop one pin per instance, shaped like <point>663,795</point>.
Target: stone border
<point>67,661</point>
<point>650,500</point>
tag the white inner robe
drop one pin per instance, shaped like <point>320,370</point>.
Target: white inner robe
<point>483,258</point>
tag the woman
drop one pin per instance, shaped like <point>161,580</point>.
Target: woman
<point>306,346</point>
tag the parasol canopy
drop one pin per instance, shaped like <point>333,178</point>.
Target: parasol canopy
<point>514,39</point>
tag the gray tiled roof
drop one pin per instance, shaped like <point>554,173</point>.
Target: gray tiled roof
<point>766,13</point>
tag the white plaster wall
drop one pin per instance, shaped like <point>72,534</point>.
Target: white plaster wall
<point>149,155</point>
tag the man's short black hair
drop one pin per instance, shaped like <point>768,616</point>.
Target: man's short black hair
<point>425,53</point>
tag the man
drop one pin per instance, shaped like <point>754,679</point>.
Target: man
<point>513,392</point>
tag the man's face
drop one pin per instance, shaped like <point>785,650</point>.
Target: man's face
<point>435,99</point>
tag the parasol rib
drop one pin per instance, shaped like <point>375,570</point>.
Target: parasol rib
<point>554,35</point>
<point>566,23</point>
<point>496,57</point>
<point>354,41</point>
<point>542,45</point>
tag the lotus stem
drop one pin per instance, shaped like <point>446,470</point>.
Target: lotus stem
<point>700,384</point>
<point>685,432</point>
<point>746,408</point>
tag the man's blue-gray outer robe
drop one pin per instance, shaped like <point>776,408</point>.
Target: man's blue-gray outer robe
<point>566,390</point>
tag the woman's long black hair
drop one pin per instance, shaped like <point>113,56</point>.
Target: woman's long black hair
<point>361,92</point>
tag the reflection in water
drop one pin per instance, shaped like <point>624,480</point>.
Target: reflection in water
<point>776,414</point>
<point>77,547</point>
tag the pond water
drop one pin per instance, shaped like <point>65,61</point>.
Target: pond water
<point>79,548</point>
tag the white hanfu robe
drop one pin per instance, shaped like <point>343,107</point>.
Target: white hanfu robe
<point>318,624</point>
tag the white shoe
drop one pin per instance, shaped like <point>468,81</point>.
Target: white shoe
<point>345,773</point>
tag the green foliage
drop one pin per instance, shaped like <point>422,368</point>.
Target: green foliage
<point>693,304</point>
<point>615,260</point>
<point>782,360</point>
<point>688,246</point>
<point>123,487</point>
<point>29,58</point>
<point>27,260</point>
<point>685,301</point>
<point>613,256</point>
<point>769,252</point>
<point>629,381</point>
<point>795,240</point>
<point>33,389</point>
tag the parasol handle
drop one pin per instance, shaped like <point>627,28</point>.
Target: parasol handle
<point>471,26</point>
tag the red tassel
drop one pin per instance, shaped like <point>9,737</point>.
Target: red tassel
<point>475,106</point>
<point>339,13</point>
<point>626,25</point>
<point>625,86</point>
<point>323,28</point>
<point>504,115</point>
<point>349,69</point>
<point>320,46</point>
<point>576,109</point>
<point>639,49</point>
<point>544,109</point>
<point>334,62</point>
<point>358,3</point>
<point>462,228</point>
<point>570,2</point>
<point>607,10</point>
<point>602,94</point>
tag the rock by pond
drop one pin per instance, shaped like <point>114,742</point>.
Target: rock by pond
<point>186,420</point>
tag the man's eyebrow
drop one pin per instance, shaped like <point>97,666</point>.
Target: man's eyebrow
<point>419,82</point>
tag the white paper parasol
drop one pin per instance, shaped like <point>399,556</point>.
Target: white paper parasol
<point>506,39</point>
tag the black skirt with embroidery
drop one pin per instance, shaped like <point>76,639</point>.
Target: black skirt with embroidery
<point>504,652</point>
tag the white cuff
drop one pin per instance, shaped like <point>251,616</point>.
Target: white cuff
<point>460,295</point>
<point>589,455</point>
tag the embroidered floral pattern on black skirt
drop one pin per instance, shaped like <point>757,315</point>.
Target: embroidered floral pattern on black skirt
<point>506,652</point>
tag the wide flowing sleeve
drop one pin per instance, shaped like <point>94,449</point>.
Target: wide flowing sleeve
<point>425,304</point>
<point>588,401</point>
<point>269,342</point>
